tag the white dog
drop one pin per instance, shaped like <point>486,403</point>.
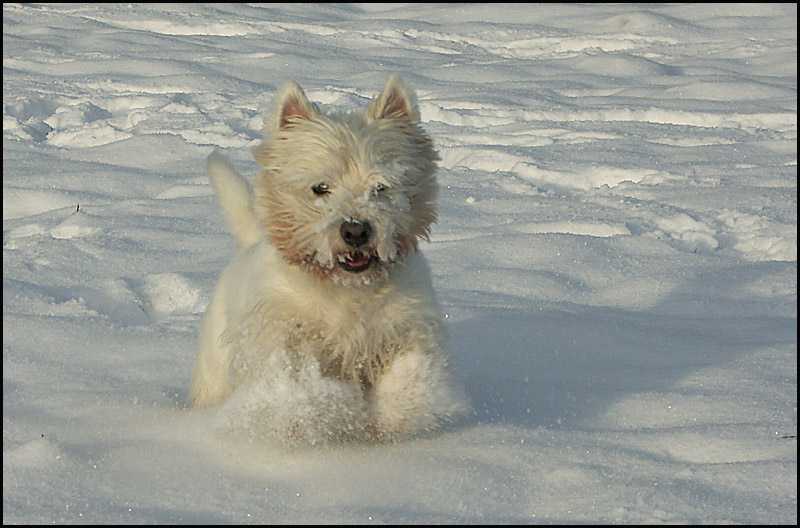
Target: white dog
<point>325,326</point>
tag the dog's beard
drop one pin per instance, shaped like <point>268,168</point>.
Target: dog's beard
<point>321,254</point>
<point>351,268</point>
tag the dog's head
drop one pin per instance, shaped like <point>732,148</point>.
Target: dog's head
<point>346,195</point>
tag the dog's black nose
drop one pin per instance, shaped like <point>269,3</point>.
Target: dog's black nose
<point>355,233</point>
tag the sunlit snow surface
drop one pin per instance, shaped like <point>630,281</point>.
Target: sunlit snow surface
<point>616,255</point>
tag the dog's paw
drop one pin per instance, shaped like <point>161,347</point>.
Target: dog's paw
<point>295,406</point>
<point>415,394</point>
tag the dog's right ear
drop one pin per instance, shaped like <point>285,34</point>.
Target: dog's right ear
<point>396,101</point>
<point>289,106</point>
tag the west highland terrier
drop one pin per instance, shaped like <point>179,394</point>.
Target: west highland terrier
<point>324,327</point>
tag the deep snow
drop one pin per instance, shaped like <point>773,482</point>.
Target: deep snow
<point>616,255</point>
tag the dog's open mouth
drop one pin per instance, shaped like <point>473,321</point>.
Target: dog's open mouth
<point>356,262</point>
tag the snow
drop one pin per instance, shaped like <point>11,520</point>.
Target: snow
<point>616,256</point>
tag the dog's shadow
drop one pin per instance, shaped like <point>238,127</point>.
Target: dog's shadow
<point>527,369</point>
<point>554,369</point>
<point>566,367</point>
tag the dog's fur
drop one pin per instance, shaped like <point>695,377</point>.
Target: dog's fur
<point>325,325</point>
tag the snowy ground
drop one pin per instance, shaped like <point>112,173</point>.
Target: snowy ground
<point>616,255</point>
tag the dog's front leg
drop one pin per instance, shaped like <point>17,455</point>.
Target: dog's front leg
<point>416,393</point>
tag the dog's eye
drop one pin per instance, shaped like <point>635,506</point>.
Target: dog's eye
<point>321,189</point>
<point>379,189</point>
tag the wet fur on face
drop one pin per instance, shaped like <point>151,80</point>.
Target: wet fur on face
<point>372,167</point>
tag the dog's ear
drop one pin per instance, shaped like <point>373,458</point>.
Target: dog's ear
<point>290,106</point>
<point>396,101</point>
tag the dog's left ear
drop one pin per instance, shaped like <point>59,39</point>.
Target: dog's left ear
<point>396,101</point>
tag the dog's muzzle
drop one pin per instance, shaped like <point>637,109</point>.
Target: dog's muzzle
<point>356,234</point>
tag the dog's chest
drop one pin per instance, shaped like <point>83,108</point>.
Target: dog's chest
<point>350,340</point>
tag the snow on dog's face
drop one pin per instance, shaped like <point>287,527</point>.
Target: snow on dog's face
<point>346,195</point>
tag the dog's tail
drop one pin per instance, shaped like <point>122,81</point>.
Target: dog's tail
<point>235,199</point>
